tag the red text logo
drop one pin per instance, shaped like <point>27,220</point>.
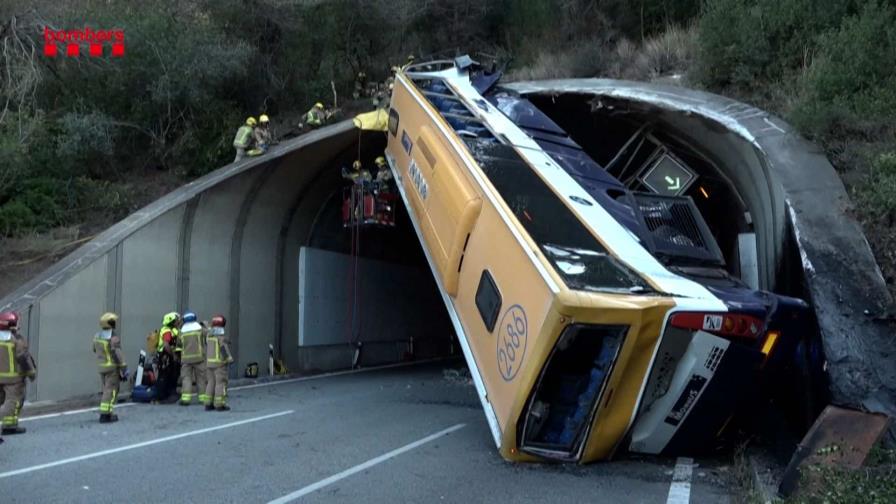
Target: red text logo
<point>73,42</point>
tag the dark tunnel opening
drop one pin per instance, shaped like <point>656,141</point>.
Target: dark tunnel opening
<point>385,293</point>
<point>627,139</point>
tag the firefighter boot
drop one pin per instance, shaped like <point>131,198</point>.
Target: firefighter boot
<point>209,407</point>
<point>223,407</point>
<point>108,418</point>
<point>8,431</point>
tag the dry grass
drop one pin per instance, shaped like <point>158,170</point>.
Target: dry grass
<point>670,53</point>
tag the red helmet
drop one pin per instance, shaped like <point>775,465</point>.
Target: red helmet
<point>8,320</point>
<point>219,321</point>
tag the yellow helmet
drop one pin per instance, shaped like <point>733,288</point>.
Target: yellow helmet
<point>108,320</point>
<point>319,105</point>
<point>170,318</point>
<point>250,121</point>
<point>263,118</point>
<point>380,161</point>
<point>356,165</point>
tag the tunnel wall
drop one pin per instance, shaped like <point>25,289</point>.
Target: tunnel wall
<point>789,187</point>
<point>219,244</point>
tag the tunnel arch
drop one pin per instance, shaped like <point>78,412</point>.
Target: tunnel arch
<point>223,243</point>
<point>227,242</point>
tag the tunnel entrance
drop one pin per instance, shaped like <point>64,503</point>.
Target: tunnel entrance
<point>366,293</point>
<point>630,140</point>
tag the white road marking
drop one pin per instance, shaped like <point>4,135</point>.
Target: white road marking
<point>364,466</point>
<point>680,490</point>
<point>141,445</point>
<point>245,387</point>
<point>329,375</point>
<point>71,412</point>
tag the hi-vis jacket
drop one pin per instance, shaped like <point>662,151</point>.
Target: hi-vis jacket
<point>107,348</point>
<point>242,137</point>
<point>168,338</point>
<point>16,362</point>
<point>218,349</point>
<point>192,342</point>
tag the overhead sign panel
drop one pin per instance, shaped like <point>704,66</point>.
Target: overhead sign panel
<point>668,176</point>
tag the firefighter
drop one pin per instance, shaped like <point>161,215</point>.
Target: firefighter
<point>262,135</point>
<point>16,364</point>
<point>111,364</point>
<point>357,175</point>
<point>218,364</point>
<point>383,174</point>
<point>360,85</point>
<point>379,97</point>
<point>167,354</point>
<point>315,117</point>
<point>243,139</point>
<point>192,367</point>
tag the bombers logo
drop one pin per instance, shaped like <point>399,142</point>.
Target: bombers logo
<point>73,40</point>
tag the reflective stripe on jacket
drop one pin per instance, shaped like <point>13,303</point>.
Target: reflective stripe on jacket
<point>218,351</point>
<point>191,343</point>
<point>15,361</point>
<point>313,117</point>
<point>161,344</point>
<point>241,140</point>
<point>9,368</point>
<point>108,353</point>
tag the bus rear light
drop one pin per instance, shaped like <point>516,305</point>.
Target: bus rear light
<point>723,324</point>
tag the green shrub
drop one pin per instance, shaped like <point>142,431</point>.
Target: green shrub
<point>15,217</point>
<point>878,195</point>
<point>853,77</point>
<point>742,42</point>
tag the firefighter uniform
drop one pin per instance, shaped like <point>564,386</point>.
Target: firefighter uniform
<point>316,117</point>
<point>111,366</point>
<point>242,141</point>
<point>16,364</point>
<point>218,363</point>
<point>192,368</point>
<point>165,354</point>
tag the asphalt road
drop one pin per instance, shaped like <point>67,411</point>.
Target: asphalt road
<point>409,434</point>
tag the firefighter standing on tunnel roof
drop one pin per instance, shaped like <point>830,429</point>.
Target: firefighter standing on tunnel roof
<point>192,369</point>
<point>166,349</point>
<point>218,364</point>
<point>315,117</point>
<point>111,364</point>
<point>262,135</point>
<point>16,364</point>
<point>243,139</point>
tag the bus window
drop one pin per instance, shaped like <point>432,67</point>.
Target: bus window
<point>488,300</point>
<point>578,257</point>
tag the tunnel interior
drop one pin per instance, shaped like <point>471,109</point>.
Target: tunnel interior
<point>376,301</point>
<point>625,138</point>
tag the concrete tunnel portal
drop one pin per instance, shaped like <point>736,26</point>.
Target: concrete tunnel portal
<point>262,242</point>
<point>232,242</point>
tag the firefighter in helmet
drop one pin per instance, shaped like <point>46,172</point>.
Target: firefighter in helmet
<point>167,354</point>
<point>110,363</point>
<point>218,359</point>
<point>242,141</point>
<point>383,174</point>
<point>315,117</point>
<point>16,364</point>
<point>192,367</point>
<point>262,136</point>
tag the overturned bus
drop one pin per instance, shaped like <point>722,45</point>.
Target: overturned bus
<point>595,314</point>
